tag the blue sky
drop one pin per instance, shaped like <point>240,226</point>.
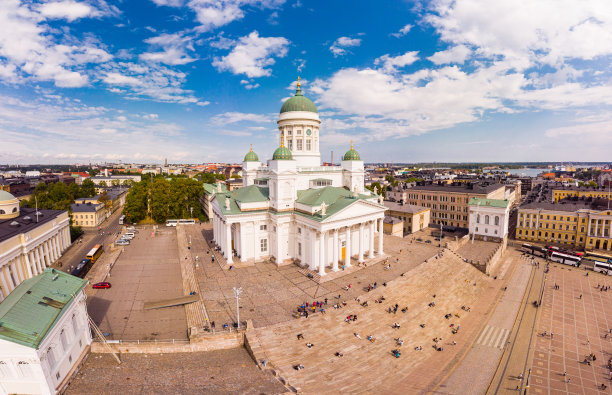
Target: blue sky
<point>409,81</point>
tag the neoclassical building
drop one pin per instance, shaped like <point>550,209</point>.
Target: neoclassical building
<point>30,241</point>
<point>293,210</point>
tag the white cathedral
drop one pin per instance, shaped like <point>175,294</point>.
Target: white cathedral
<point>292,209</point>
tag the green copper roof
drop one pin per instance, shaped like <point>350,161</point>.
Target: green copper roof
<point>32,309</point>
<point>250,194</point>
<point>282,153</point>
<point>489,202</point>
<point>351,155</point>
<point>298,103</point>
<point>329,195</point>
<point>5,196</point>
<point>251,156</point>
<point>212,188</point>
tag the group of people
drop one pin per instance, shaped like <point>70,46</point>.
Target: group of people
<point>304,309</point>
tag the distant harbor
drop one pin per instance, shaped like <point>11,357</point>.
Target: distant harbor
<point>524,172</point>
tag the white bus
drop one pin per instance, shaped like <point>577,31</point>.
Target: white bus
<point>121,219</point>
<point>174,222</point>
<point>534,250</point>
<point>565,259</point>
<point>602,267</point>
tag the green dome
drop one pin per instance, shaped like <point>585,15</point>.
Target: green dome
<point>351,155</point>
<point>282,153</point>
<point>251,156</point>
<point>298,103</point>
<point>5,196</point>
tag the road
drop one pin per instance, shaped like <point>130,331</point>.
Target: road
<point>77,251</point>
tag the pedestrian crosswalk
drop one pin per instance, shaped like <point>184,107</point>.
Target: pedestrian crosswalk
<point>493,336</point>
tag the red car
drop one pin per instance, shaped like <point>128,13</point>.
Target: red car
<point>102,285</point>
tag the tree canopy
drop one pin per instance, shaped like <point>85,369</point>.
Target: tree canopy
<point>164,199</point>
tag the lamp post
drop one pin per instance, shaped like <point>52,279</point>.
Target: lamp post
<point>237,292</point>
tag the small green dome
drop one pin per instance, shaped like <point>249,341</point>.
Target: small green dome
<point>251,156</point>
<point>298,103</point>
<point>351,155</point>
<point>282,153</point>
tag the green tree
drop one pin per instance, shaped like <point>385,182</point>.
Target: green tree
<point>103,184</point>
<point>135,208</point>
<point>88,188</point>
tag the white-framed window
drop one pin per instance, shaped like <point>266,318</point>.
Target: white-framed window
<point>299,230</point>
<point>299,144</point>
<point>308,145</point>
<point>497,221</point>
<point>64,340</point>
<point>263,243</point>
<point>299,249</point>
<point>290,144</point>
<point>263,227</point>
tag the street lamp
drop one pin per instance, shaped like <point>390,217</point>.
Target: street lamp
<point>237,292</point>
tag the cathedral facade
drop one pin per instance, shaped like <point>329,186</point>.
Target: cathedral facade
<point>293,210</point>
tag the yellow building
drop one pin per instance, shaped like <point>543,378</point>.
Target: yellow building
<point>449,203</point>
<point>414,218</point>
<point>393,226</point>
<point>561,193</point>
<point>30,241</point>
<point>579,224</point>
<point>88,215</point>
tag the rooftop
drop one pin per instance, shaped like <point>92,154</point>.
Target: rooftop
<point>86,208</point>
<point>26,221</point>
<point>404,208</point>
<point>32,309</point>
<point>489,202</point>
<point>569,204</point>
<point>391,220</point>
<point>480,188</point>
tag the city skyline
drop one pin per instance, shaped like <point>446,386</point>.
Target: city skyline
<point>197,81</point>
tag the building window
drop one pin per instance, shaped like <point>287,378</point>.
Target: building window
<point>50,358</point>
<point>486,220</point>
<point>478,219</point>
<point>57,375</point>
<point>290,144</point>
<point>299,144</point>
<point>264,245</point>
<point>299,249</point>
<point>299,230</point>
<point>64,340</point>
<point>263,227</point>
<point>308,145</point>
<point>496,221</point>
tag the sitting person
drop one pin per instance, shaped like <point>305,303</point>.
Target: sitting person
<point>396,326</point>
<point>371,338</point>
<point>309,345</point>
<point>399,341</point>
<point>298,367</point>
<point>300,336</point>
<point>339,354</point>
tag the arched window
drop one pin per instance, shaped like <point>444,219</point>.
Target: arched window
<point>75,325</point>
<point>478,219</point>
<point>64,340</point>
<point>14,209</point>
<point>497,220</point>
<point>486,220</point>
<point>2,212</point>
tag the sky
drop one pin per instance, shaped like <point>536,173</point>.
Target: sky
<point>198,81</point>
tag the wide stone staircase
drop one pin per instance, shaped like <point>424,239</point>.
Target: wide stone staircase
<point>368,367</point>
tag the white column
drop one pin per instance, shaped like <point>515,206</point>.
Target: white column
<point>67,233</point>
<point>243,256</point>
<point>313,250</point>
<point>322,254</point>
<point>33,268</point>
<point>596,227</point>
<point>335,261</point>
<point>371,253</point>
<point>222,236</point>
<point>347,252</point>
<point>215,229</point>
<point>257,246</point>
<point>380,237</point>
<point>228,242</point>
<point>4,280</point>
<point>361,243</point>
<point>48,259</point>
<point>38,260</point>
<point>7,271</point>
<point>60,241</point>
<point>54,249</point>
<point>16,266</point>
<point>589,228</point>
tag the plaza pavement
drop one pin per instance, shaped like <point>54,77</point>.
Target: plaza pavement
<point>147,270</point>
<point>579,326</point>
<point>271,294</point>
<point>214,372</point>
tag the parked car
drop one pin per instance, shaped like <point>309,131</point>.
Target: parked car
<point>122,242</point>
<point>102,285</point>
<point>129,235</point>
<point>130,228</point>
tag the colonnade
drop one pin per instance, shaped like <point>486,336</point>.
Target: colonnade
<point>32,260</point>
<point>222,236</point>
<point>320,239</point>
<point>595,230</point>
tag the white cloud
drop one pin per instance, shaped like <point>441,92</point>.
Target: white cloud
<point>234,117</point>
<point>212,14</point>
<point>175,47</point>
<point>169,3</point>
<point>28,50</point>
<point>150,81</point>
<point>403,31</point>
<point>391,63</point>
<point>252,54</point>
<point>67,9</point>
<point>150,116</point>
<point>339,46</point>
<point>457,54</point>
